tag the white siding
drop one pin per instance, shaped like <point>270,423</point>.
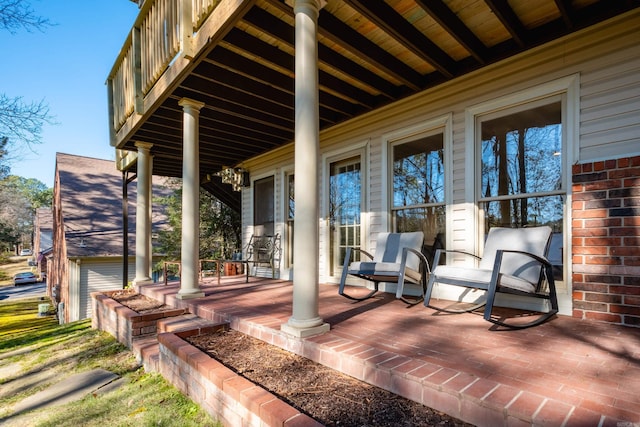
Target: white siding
<point>100,276</point>
<point>606,59</point>
<point>75,291</point>
<point>610,106</point>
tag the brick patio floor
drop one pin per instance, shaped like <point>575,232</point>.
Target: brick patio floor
<point>566,372</point>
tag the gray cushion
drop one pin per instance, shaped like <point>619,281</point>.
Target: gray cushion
<point>382,269</point>
<point>389,247</point>
<point>388,257</point>
<point>534,240</point>
<point>517,271</point>
<point>475,276</point>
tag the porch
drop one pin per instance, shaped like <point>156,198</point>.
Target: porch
<point>567,371</point>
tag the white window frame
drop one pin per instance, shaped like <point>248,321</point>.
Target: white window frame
<point>358,149</point>
<point>428,127</point>
<point>569,89</point>
<point>287,252</point>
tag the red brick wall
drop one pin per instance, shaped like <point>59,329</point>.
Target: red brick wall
<point>606,241</point>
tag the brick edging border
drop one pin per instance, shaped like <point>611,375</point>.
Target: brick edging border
<point>123,323</point>
<point>233,399</point>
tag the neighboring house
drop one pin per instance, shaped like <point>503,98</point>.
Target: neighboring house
<point>451,117</point>
<point>42,239</point>
<point>87,253</point>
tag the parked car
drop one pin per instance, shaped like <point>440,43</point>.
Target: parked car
<point>25,252</point>
<point>24,277</point>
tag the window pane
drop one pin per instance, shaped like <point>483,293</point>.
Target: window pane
<point>263,216</point>
<point>418,172</point>
<point>345,199</point>
<point>290,218</point>
<point>430,220</point>
<point>532,211</point>
<point>521,152</point>
<point>292,200</point>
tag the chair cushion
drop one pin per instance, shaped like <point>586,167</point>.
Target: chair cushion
<point>377,268</point>
<point>478,278</point>
<point>534,240</point>
<point>381,270</point>
<point>412,275</point>
<point>389,248</point>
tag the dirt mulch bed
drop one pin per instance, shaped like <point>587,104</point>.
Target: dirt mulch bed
<point>330,397</point>
<point>137,302</point>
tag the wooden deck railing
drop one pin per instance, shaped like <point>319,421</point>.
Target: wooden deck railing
<point>163,30</point>
<point>121,87</point>
<point>201,11</point>
<point>159,39</point>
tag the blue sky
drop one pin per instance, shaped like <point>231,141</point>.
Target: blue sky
<point>66,66</point>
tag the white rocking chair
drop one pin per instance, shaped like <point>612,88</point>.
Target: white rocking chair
<point>514,262</point>
<point>398,258</point>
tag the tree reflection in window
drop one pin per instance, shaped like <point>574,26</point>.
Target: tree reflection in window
<point>419,189</point>
<point>521,156</point>
<point>521,173</point>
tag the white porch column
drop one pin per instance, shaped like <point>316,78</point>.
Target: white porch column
<point>305,320</point>
<point>189,285</point>
<point>143,214</point>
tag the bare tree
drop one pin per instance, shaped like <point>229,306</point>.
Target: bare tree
<point>18,14</point>
<point>20,121</point>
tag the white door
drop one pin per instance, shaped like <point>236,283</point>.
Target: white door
<point>345,206</point>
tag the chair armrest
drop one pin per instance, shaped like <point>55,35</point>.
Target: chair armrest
<point>423,275</point>
<point>439,252</point>
<point>547,267</point>
<point>362,251</point>
<point>541,260</point>
<point>420,255</point>
<point>345,263</point>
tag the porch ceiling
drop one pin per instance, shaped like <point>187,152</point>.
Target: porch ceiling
<point>371,53</point>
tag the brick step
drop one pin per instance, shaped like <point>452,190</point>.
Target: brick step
<point>147,352</point>
<point>146,349</point>
<point>187,322</point>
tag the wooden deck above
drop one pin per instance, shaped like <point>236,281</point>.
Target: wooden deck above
<point>237,56</point>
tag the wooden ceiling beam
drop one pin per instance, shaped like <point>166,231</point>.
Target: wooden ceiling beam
<point>258,48</point>
<point>216,103</point>
<point>201,82</point>
<point>215,147</point>
<point>566,10</point>
<point>220,126</point>
<point>346,37</point>
<point>284,33</point>
<point>448,20</point>
<point>211,112</point>
<point>224,193</point>
<point>230,69</point>
<point>510,20</point>
<point>394,24</point>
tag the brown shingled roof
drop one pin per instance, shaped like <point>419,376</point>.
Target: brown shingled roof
<point>91,198</point>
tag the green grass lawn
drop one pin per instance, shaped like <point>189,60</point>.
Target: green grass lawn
<point>32,345</point>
